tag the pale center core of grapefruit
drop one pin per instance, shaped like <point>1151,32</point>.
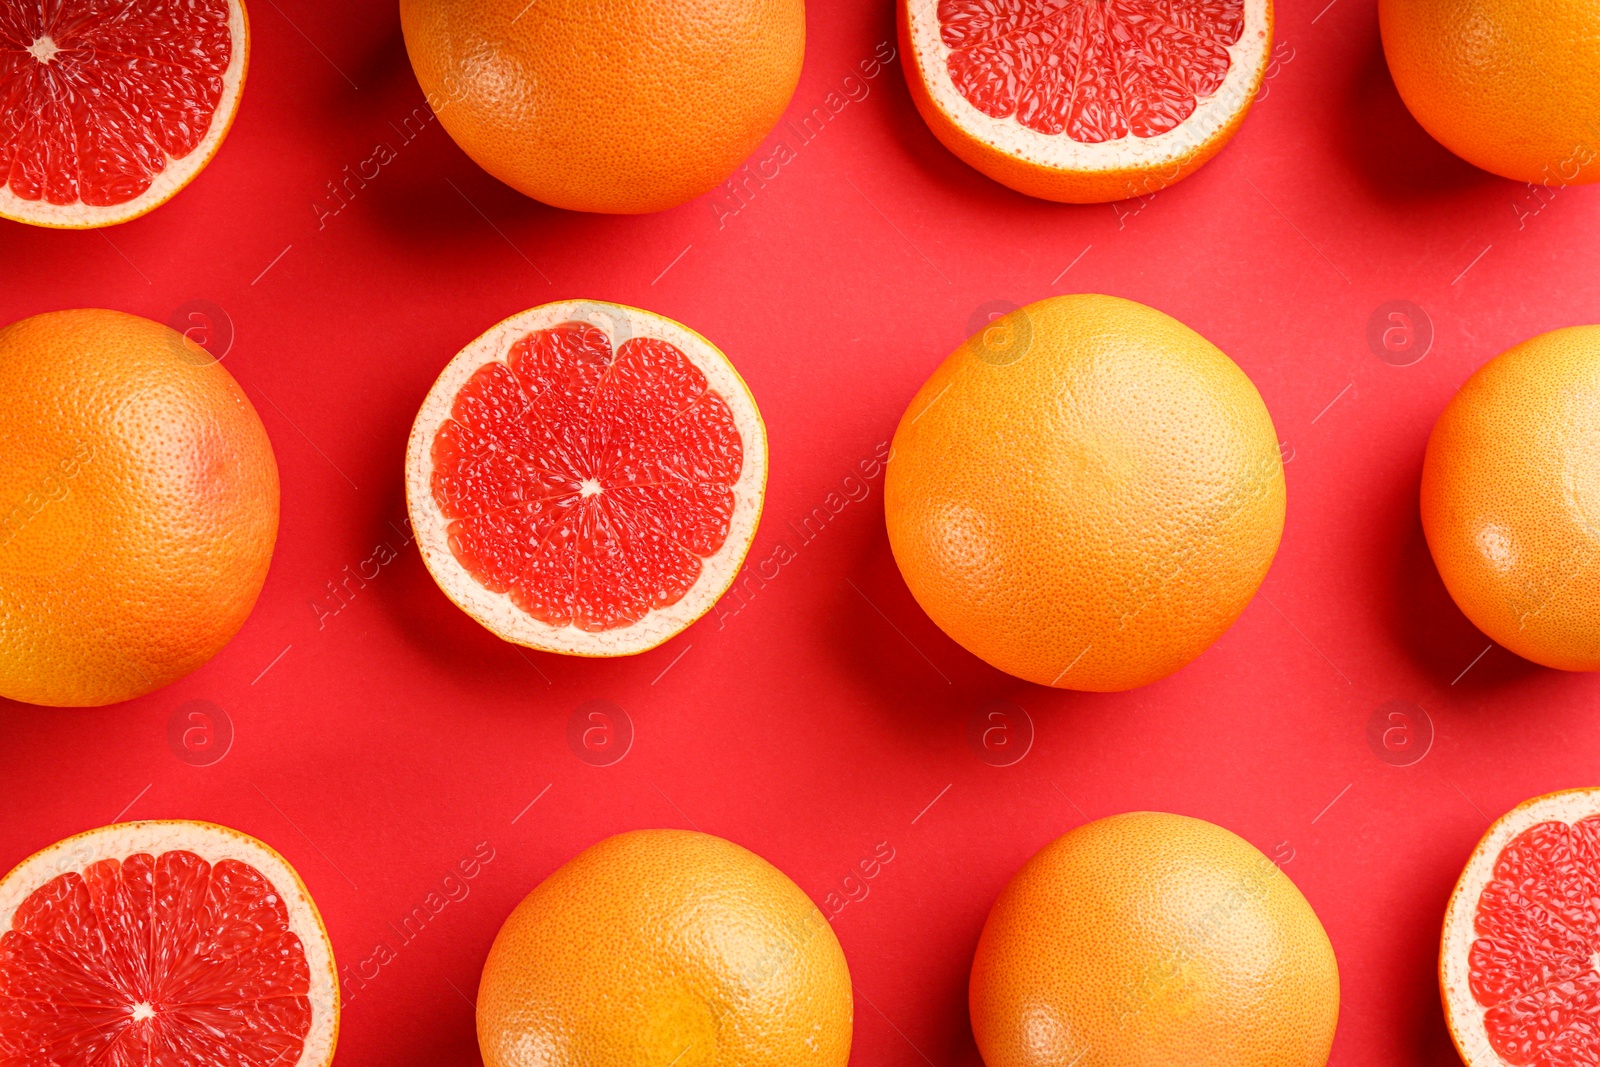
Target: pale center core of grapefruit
<point>44,49</point>
<point>162,959</point>
<point>1095,70</point>
<point>100,95</point>
<point>586,484</point>
<point>1534,964</point>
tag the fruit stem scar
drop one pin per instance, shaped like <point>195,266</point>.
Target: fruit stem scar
<point>589,487</point>
<point>143,1011</point>
<point>43,49</point>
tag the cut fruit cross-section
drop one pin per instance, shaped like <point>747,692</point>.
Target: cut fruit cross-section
<point>182,944</point>
<point>1519,961</point>
<point>1085,100</point>
<point>109,107</point>
<point>586,478</point>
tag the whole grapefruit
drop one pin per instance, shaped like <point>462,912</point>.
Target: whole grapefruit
<point>1511,498</point>
<point>623,106</point>
<point>1085,494</point>
<point>1507,85</point>
<point>138,507</point>
<point>1148,940</point>
<point>665,947</point>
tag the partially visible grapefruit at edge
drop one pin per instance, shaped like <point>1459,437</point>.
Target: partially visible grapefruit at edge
<point>138,507</point>
<point>623,107</point>
<point>110,109</point>
<point>163,942</point>
<point>1085,101</point>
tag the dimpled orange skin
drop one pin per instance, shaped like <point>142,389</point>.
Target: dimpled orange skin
<point>138,507</point>
<point>1511,86</point>
<point>665,946</point>
<point>619,106</point>
<point>1511,498</point>
<point>1150,940</point>
<point>1095,513</point>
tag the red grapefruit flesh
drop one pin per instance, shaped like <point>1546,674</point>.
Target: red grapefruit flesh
<point>109,107</point>
<point>1085,100</point>
<point>586,478</point>
<point>1521,945</point>
<point>1092,70</point>
<point>163,943</point>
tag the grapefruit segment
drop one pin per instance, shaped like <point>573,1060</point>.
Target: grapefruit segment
<point>171,943</point>
<point>1520,957</point>
<point>586,478</point>
<point>1085,100</point>
<point>110,108</point>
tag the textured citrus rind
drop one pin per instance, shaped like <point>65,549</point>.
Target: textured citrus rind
<point>1150,938</point>
<point>661,946</point>
<point>135,472</point>
<point>642,110</point>
<point>1511,87</point>
<point>1510,498</point>
<point>1096,508</point>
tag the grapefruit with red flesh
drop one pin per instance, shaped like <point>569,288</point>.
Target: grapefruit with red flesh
<point>1085,101</point>
<point>109,107</point>
<point>586,478</point>
<point>1519,961</point>
<point>183,944</point>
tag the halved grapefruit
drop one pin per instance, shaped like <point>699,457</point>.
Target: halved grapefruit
<point>586,478</point>
<point>1519,962</point>
<point>1085,101</point>
<point>171,943</point>
<point>109,107</point>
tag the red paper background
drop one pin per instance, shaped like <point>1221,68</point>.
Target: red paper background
<point>379,745</point>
